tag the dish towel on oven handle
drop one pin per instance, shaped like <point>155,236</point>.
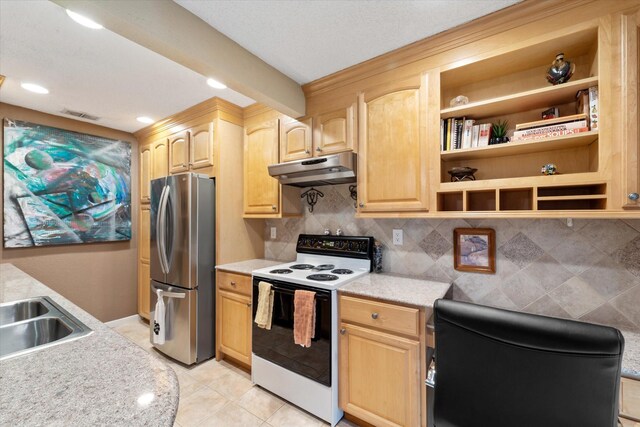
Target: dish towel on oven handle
<point>304,317</point>
<point>159,320</point>
<point>264,311</point>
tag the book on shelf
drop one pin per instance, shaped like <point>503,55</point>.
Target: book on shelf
<point>474,135</point>
<point>449,132</point>
<point>549,134</point>
<point>593,107</point>
<point>442,135</point>
<point>459,126</point>
<point>540,123</point>
<point>552,128</point>
<point>484,134</point>
<point>467,133</point>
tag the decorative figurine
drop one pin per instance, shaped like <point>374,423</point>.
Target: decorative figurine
<point>462,174</point>
<point>458,100</point>
<point>560,70</point>
<point>549,169</point>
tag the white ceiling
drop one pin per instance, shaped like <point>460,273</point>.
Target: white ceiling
<point>103,74</point>
<point>310,39</point>
<point>92,71</point>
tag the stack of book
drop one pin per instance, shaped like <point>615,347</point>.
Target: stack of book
<point>551,128</point>
<point>460,132</point>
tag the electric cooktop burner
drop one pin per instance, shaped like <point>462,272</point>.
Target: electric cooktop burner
<point>324,267</point>
<point>302,266</point>
<point>342,271</point>
<point>281,271</point>
<point>322,277</point>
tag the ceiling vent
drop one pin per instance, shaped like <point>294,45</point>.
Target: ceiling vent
<point>80,114</point>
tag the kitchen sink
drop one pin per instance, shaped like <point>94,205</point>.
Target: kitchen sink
<point>21,310</point>
<point>35,324</point>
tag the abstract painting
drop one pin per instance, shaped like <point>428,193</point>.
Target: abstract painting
<point>474,250</point>
<point>63,187</point>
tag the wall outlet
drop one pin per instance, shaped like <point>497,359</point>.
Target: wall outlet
<point>273,232</point>
<point>397,237</point>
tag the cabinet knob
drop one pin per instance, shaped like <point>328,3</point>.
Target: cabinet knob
<point>374,316</point>
<point>184,165</point>
<point>248,304</point>
<point>343,331</point>
<point>318,149</point>
<point>634,196</point>
<point>306,151</point>
<point>274,207</point>
<point>361,205</point>
<point>233,283</point>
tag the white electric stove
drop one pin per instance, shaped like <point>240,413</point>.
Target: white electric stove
<point>307,376</point>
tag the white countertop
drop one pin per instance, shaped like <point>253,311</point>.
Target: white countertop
<point>246,267</point>
<point>94,380</point>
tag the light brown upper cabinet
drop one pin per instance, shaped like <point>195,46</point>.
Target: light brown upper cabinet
<point>295,139</point>
<point>145,173</point>
<point>335,131</point>
<point>192,149</point>
<point>630,102</point>
<point>159,159</point>
<point>261,191</point>
<point>392,161</point>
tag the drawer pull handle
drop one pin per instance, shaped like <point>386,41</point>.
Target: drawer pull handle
<point>343,331</point>
<point>374,316</point>
<point>233,283</point>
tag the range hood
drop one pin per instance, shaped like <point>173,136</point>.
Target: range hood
<point>333,169</point>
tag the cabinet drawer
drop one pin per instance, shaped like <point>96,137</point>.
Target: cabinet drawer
<point>234,282</point>
<point>630,398</point>
<point>394,318</point>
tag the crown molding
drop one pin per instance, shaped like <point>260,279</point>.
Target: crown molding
<point>228,111</point>
<point>498,22</point>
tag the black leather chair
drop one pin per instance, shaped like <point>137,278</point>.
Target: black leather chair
<point>498,368</point>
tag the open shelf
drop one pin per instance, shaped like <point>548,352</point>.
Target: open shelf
<point>521,147</point>
<point>448,202</point>
<point>522,101</point>
<point>483,200</point>
<point>516,199</point>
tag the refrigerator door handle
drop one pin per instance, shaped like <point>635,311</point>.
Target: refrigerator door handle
<point>161,230</point>
<point>173,295</point>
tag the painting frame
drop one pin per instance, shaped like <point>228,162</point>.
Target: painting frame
<point>474,250</point>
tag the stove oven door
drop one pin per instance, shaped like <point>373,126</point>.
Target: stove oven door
<point>277,346</point>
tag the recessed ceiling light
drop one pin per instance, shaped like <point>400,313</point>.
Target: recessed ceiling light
<point>144,119</point>
<point>216,84</point>
<point>84,21</point>
<point>32,87</point>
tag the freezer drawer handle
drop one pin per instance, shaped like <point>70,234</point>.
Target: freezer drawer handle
<point>173,295</point>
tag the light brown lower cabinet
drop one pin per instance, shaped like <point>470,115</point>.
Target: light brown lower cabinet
<point>233,317</point>
<point>381,379</point>
<point>630,402</point>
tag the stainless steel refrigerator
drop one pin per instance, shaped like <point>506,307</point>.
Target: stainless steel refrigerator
<point>182,265</point>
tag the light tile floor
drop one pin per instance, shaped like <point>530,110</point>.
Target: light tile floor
<point>220,394</point>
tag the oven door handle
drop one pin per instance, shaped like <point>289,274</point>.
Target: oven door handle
<point>292,292</point>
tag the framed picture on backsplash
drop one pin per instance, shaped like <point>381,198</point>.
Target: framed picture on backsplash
<point>474,250</point>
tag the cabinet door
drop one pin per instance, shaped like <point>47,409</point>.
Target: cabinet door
<point>179,152</point>
<point>235,329</point>
<point>336,131</point>
<point>144,290</point>
<point>160,159</point>
<point>630,101</point>
<point>379,377</point>
<point>201,150</point>
<point>295,139</point>
<point>145,230</point>
<point>392,168</point>
<point>145,173</point>
<point>261,191</point>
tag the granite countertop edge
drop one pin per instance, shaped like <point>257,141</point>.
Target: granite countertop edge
<point>99,379</point>
<point>247,266</point>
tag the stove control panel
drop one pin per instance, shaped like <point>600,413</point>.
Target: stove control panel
<point>352,247</point>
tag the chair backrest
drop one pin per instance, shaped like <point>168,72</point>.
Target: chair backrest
<point>498,368</point>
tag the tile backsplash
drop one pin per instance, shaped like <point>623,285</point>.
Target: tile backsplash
<point>589,270</point>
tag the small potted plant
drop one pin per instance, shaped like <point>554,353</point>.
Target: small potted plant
<point>499,132</point>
